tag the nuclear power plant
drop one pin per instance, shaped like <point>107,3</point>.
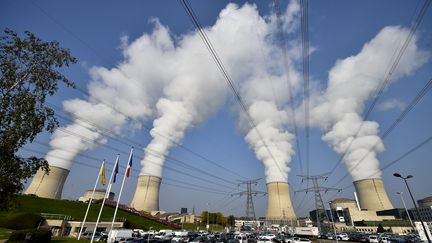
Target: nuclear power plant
<point>48,185</point>
<point>146,196</point>
<point>372,195</point>
<point>279,206</point>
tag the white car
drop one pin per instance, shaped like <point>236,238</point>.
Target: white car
<point>268,237</point>
<point>383,239</point>
<point>342,236</point>
<point>372,239</point>
<point>300,240</point>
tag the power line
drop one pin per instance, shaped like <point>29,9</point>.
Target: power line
<point>305,55</point>
<point>250,209</point>
<point>426,88</point>
<point>135,170</point>
<point>389,73</point>
<point>225,74</point>
<point>287,74</point>
<point>112,135</point>
<point>398,159</point>
<point>148,161</point>
<point>118,111</point>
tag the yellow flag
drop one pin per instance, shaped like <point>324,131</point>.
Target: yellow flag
<point>102,173</point>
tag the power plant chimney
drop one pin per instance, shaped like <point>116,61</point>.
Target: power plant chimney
<point>279,206</point>
<point>48,185</point>
<point>146,196</point>
<point>372,195</point>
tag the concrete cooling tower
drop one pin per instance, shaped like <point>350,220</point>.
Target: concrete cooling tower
<point>279,205</point>
<point>48,185</point>
<point>372,195</point>
<point>146,196</point>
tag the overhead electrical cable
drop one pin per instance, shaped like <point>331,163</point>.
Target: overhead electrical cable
<point>113,136</point>
<point>226,76</point>
<point>151,162</point>
<point>401,157</point>
<point>201,188</point>
<point>380,89</point>
<point>67,30</point>
<point>288,82</point>
<point>426,88</point>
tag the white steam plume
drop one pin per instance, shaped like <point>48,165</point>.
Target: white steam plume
<point>265,91</point>
<point>242,39</point>
<point>129,90</point>
<point>352,82</point>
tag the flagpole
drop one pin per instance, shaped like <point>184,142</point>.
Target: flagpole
<point>103,201</point>
<point>121,188</point>
<point>91,199</point>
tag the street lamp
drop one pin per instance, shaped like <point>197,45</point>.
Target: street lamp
<point>415,205</point>
<point>406,210</point>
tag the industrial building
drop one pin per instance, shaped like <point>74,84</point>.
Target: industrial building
<point>425,209</point>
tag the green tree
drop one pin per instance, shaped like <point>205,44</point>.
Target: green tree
<point>230,221</point>
<point>380,229</point>
<point>29,72</point>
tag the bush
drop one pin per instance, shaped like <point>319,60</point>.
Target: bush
<point>24,221</point>
<point>36,236</point>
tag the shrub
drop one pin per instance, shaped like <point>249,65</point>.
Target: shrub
<point>24,221</point>
<point>33,235</point>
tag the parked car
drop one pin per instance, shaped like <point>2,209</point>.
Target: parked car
<point>342,236</point>
<point>302,240</point>
<point>383,239</point>
<point>372,239</point>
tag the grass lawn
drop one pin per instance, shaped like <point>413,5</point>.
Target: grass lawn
<point>4,233</point>
<point>30,204</point>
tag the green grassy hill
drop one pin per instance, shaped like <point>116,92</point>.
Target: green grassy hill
<point>31,204</point>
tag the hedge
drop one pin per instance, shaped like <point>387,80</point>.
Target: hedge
<point>32,235</point>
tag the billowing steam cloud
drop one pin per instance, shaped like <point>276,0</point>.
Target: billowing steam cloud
<point>178,83</point>
<point>131,88</point>
<point>244,41</point>
<point>351,83</point>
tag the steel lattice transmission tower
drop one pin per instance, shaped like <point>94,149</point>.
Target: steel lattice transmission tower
<point>319,204</point>
<point>250,210</point>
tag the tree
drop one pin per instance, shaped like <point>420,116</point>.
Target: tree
<point>231,220</point>
<point>380,229</point>
<point>29,71</point>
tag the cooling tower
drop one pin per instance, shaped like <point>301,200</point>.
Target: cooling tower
<point>146,196</point>
<point>48,185</point>
<point>372,195</point>
<point>279,205</point>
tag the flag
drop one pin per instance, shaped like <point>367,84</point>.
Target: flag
<point>102,173</point>
<point>129,163</point>
<point>116,170</point>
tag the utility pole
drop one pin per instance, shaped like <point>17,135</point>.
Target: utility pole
<point>319,204</point>
<point>250,210</point>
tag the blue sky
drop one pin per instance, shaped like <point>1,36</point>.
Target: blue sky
<point>338,29</point>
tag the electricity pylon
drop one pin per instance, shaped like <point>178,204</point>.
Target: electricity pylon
<point>319,204</point>
<point>250,210</point>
